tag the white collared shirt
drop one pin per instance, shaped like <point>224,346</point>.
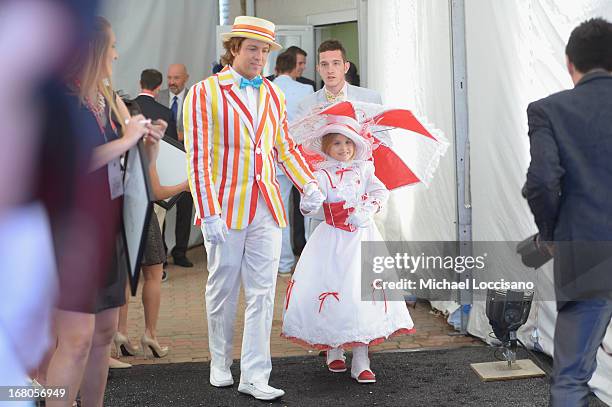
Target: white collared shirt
<point>250,94</point>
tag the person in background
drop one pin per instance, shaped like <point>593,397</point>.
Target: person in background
<point>300,60</point>
<point>568,191</point>
<point>150,83</point>
<point>286,74</point>
<point>173,98</point>
<point>152,267</point>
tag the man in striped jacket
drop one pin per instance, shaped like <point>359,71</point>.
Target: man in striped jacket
<point>235,131</point>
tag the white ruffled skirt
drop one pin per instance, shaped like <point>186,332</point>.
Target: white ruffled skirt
<point>323,305</point>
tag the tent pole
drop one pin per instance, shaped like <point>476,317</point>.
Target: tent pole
<point>462,146</point>
<point>250,8</point>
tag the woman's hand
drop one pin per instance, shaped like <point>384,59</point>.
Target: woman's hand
<point>156,130</point>
<point>185,186</point>
<point>136,127</point>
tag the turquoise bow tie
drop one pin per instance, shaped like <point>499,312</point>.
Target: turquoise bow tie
<point>255,82</point>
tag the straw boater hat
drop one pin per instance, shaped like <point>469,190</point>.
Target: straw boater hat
<point>255,29</point>
<point>342,125</point>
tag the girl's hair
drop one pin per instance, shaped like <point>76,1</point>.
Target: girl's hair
<point>232,44</point>
<point>328,139</point>
<point>89,66</point>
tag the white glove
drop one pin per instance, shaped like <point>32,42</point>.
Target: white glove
<point>214,229</point>
<point>363,214</point>
<point>312,199</point>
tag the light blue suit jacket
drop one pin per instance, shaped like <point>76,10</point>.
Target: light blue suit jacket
<point>352,93</point>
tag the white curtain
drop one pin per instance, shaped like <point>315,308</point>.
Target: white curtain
<point>411,72</point>
<point>515,55</point>
<point>157,33</point>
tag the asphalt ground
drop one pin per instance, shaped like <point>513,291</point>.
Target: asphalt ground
<point>421,378</point>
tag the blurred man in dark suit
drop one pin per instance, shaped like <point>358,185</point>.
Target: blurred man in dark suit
<point>150,83</point>
<point>569,190</point>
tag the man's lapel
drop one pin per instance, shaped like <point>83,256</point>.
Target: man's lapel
<point>264,107</point>
<point>234,96</point>
<point>321,99</point>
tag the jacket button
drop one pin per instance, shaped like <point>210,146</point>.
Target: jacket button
<point>258,150</point>
<point>258,177</point>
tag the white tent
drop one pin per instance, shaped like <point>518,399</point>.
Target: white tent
<point>514,55</point>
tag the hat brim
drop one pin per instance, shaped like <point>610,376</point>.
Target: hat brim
<point>274,46</point>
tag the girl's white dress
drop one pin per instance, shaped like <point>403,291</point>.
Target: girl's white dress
<point>323,304</point>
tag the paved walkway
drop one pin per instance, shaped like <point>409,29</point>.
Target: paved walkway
<point>182,321</point>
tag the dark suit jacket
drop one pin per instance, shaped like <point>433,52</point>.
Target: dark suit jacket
<point>154,110</point>
<point>569,184</point>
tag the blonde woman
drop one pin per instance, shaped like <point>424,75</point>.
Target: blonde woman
<point>85,324</point>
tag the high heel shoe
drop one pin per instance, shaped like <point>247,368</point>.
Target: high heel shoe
<point>151,345</point>
<point>124,346</point>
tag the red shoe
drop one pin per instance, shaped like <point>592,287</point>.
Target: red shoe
<point>366,377</point>
<point>337,366</point>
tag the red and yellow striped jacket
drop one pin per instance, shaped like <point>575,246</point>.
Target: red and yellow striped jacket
<point>229,161</point>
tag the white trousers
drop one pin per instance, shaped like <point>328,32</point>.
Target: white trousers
<point>250,256</point>
<point>287,258</point>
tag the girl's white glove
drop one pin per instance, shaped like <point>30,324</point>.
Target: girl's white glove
<point>363,214</point>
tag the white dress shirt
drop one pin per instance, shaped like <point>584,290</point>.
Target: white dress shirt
<point>250,94</point>
<point>294,92</point>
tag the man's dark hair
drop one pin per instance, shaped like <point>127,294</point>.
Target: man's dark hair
<point>590,45</point>
<point>296,50</point>
<point>285,62</point>
<point>150,79</point>
<point>332,45</point>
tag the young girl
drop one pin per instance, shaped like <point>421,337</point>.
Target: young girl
<point>323,305</point>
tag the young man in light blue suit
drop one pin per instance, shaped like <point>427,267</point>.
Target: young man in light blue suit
<point>286,80</point>
<point>332,67</point>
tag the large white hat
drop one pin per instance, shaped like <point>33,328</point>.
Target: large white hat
<point>253,28</point>
<point>346,126</point>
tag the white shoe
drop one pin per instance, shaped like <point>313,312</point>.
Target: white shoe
<point>221,378</point>
<point>260,391</point>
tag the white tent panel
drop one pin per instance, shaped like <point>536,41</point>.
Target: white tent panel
<point>515,55</point>
<point>157,33</point>
<point>411,72</point>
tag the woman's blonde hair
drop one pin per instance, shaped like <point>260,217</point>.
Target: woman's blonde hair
<point>89,68</point>
<point>328,139</point>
